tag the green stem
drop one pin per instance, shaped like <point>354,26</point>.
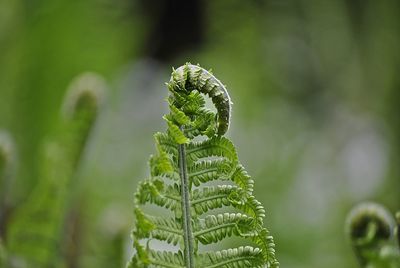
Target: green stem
<point>186,221</point>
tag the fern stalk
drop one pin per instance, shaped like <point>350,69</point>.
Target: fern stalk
<point>187,218</point>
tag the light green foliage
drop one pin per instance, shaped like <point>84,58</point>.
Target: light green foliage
<point>3,156</point>
<point>191,153</point>
<point>7,155</point>
<point>6,164</point>
<point>370,228</point>
<point>36,231</point>
<point>3,255</point>
<point>398,227</point>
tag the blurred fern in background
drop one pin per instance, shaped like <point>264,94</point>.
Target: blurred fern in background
<point>372,231</point>
<point>36,234</point>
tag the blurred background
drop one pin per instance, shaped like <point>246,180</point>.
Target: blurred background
<point>316,93</point>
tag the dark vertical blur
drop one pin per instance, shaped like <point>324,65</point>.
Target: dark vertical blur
<point>176,27</point>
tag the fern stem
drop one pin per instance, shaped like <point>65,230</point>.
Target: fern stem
<point>187,222</point>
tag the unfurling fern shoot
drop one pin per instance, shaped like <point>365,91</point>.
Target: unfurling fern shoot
<point>191,153</point>
<point>370,228</point>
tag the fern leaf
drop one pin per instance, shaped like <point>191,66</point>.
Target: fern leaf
<point>209,198</point>
<point>178,174</point>
<point>216,227</point>
<point>179,117</point>
<point>146,257</point>
<point>205,171</point>
<point>177,134</point>
<point>266,243</point>
<point>204,124</point>
<point>215,146</point>
<point>159,228</point>
<point>241,257</point>
<point>155,192</point>
<point>166,143</point>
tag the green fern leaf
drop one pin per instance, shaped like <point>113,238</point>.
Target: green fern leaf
<point>215,146</point>
<point>146,257</point>
<point>209,198</point>
<point>233,258</point>
<point>159,228</point>
<point>178,174</point>
<point>215,228</point>
<point>154,192</point>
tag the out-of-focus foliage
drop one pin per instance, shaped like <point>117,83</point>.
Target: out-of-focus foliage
<point>371,230</point>
<point>36,235</point>
<point>7,165</point>
<point>316,109</point>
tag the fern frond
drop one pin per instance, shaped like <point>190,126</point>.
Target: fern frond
<point>204,124</point>
<point>155,192</point>
<point>163,229</point>
<point>253,208</point>
<point>242,179</point>
<point>162,164</point>
<point>146,257</point>
<point>209,198</point>
<point>166,143</point>
<point>220,169</point>
<point>180,165</point>
<point>191,77</point>
<point>215,228</point>
<point>215,146</point>
<point>177,116</point>
<point>241,257</point>
<point>266,243</point>
<point>177,135</point>
<point>209,170</point>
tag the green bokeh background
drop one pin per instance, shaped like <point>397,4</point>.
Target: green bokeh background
<point>315,87</point>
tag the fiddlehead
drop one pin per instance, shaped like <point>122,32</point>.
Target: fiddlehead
<point>178,173</point>
<point>192,77</point>
<point>35,235</point>
<point>370,228</point>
